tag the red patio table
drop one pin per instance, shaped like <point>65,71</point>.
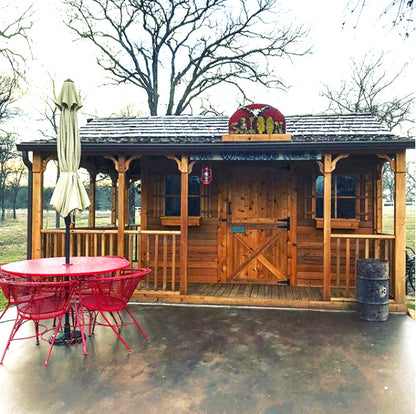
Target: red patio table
<point>55,267</point>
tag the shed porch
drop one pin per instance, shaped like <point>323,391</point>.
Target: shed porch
<point>267,220</point>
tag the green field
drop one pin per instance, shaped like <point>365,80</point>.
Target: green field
<point>13,232</point>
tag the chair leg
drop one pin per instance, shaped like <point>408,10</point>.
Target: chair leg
<point>93,320</point>
<point>53,340</point>
<point>137,324</point>
<point>5,309</point>
<point>81,324</point>
<point>115,331</point>
<point>17,324</point>
<point>37,331</point>
<point>115,320</point>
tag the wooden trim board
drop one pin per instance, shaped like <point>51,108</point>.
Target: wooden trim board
<point>256,137</point>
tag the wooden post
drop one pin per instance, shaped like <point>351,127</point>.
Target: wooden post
<point>113,200</point>
<point>222,224</point>
<point>378,210</point>
<point>293,215</point>
<point>144,206</point>
<point>121,169</point>
<point>327,226</point>
<point>91,217</point>
<point>37,207</point>
<point>184,225</point>
<point>127,202</point>
<point>400,228</point>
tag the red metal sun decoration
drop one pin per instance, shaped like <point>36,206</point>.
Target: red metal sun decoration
<point>257,119</point>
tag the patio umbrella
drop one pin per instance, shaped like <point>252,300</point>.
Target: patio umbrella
<point>69,195</point>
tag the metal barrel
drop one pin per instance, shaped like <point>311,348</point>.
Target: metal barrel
<point>372,289</point>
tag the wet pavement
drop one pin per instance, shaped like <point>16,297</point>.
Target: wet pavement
<point>220,360</point>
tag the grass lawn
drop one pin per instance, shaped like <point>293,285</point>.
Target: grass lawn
<point>13,232</point>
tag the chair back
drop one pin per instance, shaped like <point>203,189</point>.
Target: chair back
<point>41,300</point>
<point>3,283</point>
<point>113,293</point>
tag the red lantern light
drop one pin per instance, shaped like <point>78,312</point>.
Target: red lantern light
<point>206,175</point>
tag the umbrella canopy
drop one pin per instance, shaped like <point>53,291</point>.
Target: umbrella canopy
<point>69,195</point>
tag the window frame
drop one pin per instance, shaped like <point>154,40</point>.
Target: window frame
<point>337,222</point>
<point>178,196</point>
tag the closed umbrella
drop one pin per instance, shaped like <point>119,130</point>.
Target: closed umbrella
<point>69,195</point>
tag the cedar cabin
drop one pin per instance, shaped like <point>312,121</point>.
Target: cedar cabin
<point>257,209</point>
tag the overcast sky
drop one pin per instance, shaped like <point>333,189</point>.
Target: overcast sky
<point>332,46</point>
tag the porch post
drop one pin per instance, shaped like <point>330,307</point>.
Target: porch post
<point>91,218</point>
<point>183,287</point>
<point>121,169</point>
<point>143,211</point>
<point>113,200</point>
<point>327,226</point>
<point>400,228</point>
<point>37,207</point>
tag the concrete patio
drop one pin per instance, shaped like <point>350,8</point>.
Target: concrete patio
<point>220,360</point>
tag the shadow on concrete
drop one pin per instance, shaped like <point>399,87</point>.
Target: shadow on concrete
<point>220,360</point>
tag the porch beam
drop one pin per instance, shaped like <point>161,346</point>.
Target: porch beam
<point>38,168</point>
<point>92,196</point>
<point>184,169</point>
<point>400,227</point>
<point>144,206</point>
<point>121,165</point>
<point>113,201</point>
<point>121,222</point>
<point>327,172</point>
<point>37,206</point>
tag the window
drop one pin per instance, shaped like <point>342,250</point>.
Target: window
<point>173,195</point>
<point>343,196</point>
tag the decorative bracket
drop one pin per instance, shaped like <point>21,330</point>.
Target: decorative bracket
<point>182,164</point>
<point>389,160</point>
<point>122,164</point>
<point>333,163</point>
<point>45,162</point>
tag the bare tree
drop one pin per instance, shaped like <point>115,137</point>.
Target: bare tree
<point>181,48</point>
<point>388,182</point>
<point>398,12</point>
<point>411,181</point>
<point>369,89</point>
<point>7,153</point>
<point>127,111</point>
<point>50,111</point>
<point>17,172</point>
<point>8,95</point>
<point>12,58</point>
<point>14,37</point>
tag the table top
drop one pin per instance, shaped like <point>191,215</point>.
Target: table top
<point>55,266</point>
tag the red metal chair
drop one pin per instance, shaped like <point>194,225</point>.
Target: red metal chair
<point>111,295</point>
<point>4,288</point>
<point>4,277</point>
<point>38,301</point>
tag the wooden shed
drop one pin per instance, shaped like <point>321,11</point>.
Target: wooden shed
<point>282,222</point>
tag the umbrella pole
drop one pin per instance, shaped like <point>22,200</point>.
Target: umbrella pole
<point>67,238</point>
<point>67,335</point>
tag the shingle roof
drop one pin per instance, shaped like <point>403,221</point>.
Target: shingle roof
<point>209,129</point>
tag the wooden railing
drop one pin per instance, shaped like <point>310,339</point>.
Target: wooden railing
<point>351,247</point>
<point>157,250</point>
<point>84,242</point>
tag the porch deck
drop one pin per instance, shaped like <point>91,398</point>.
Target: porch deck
<point>280,296</point>
<point>251,295</point>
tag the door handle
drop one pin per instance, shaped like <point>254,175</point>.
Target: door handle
<point>229,212</point>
